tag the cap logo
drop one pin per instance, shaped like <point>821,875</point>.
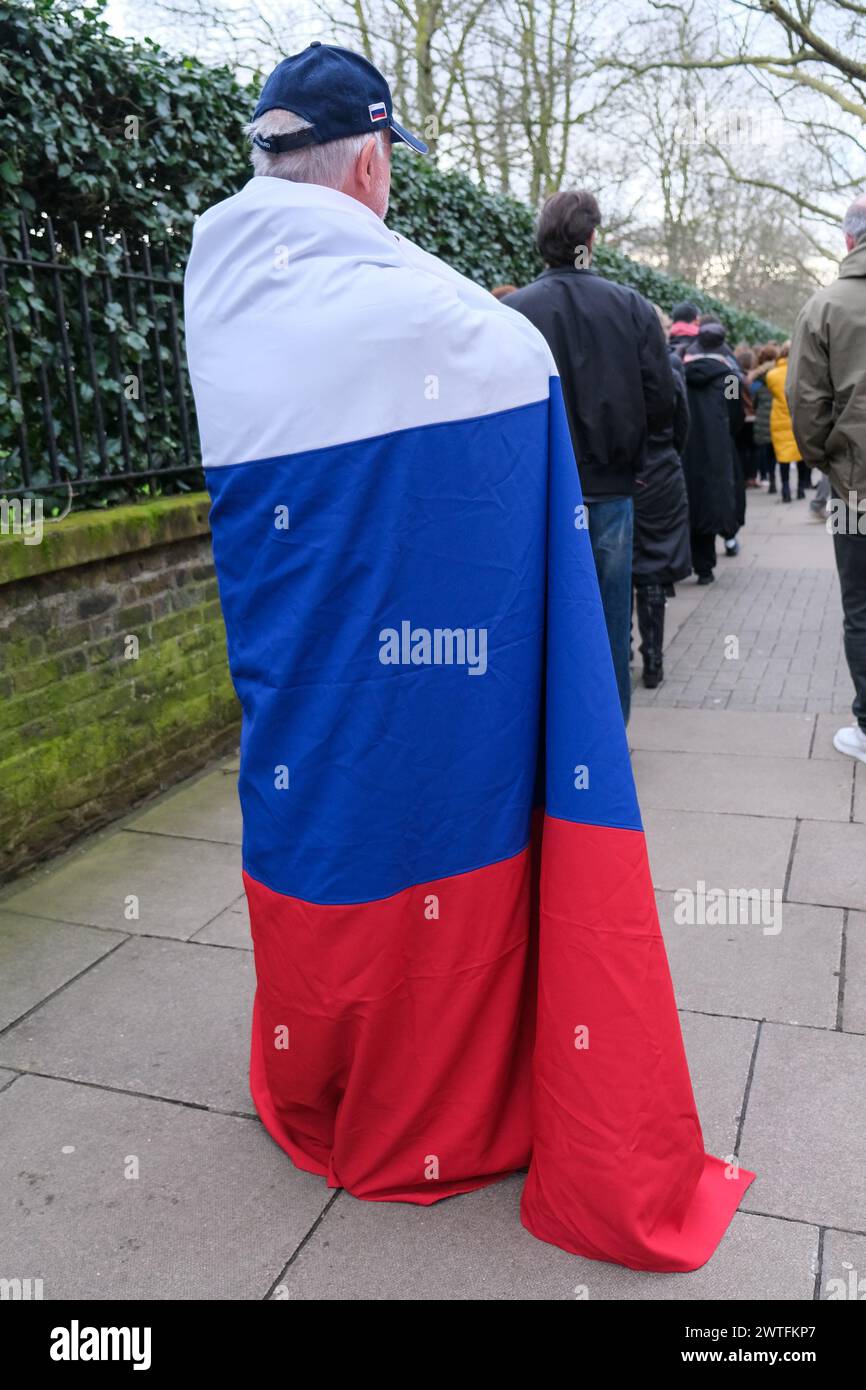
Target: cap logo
<point>378,111</point>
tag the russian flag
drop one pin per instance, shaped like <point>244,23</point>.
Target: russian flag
<point>459,965</point>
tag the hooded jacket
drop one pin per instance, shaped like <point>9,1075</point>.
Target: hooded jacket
<point>826,385</point>
<point>682,334</point>
<point>715,415</point>
<point>785,446</point>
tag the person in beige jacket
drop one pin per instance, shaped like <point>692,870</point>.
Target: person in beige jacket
<point>826,392</point>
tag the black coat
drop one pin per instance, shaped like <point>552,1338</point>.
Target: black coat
<point>715,415</point>
<point>616,377</point>
<point>662,553</point>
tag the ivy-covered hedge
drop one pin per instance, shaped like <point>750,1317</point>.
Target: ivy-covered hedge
<point>668,290</point>
<point>103,132</point>
<point>99,132</point>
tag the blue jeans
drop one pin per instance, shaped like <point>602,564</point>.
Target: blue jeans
<point>611,525</point>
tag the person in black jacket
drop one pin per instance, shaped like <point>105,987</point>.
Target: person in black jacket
<point>716,414</point>
<point>618,388</point>
<point>662,552</point>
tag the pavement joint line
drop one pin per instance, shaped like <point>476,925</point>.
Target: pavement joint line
<point>773,1023</point>
<point>853,789</point>
<point>140,935</point>
<point>6,1084</point>
<point>46,999</point>
<point>175,835</point>
<point>58,921</point>
<point>843,959</point>
<point>216,945</point>
<point>746,757</point>
<point>804,1221</point>
<point>211,920</point>
<point>747,815</point>
<point>747,1091</point>
<point>309,1235</point>
<point>819,1265</point>
<point>814,736</point>
<point>790,869</point>
<point>139,1095</point>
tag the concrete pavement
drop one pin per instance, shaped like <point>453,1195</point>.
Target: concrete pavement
<point>134,1164</point>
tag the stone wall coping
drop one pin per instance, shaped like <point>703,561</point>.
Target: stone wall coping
<point>84,537</point>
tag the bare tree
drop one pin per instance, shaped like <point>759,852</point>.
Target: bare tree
<point>807,58</point>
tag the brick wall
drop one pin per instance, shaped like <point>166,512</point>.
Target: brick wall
<point>113,674</point>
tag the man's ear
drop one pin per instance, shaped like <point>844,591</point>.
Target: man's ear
<point>365,162</point>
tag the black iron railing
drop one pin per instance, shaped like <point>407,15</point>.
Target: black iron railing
<point>94,391</point>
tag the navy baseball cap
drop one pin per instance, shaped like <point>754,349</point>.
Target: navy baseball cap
<point>339,92</point>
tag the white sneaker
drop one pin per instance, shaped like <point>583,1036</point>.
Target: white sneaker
<point>852,741</point>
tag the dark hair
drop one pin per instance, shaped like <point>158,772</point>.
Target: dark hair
<point>686,312</point>
<point>567,221</point>
<point>711,335</point>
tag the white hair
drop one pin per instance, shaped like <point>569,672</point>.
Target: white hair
<point>854,221</point>
<point>329,164</point>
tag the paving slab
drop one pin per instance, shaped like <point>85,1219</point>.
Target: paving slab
<point>230,928</point>
<point>825,727</point>
<point>723,851</point>
<point>829,865</point>
<point>854,998</point>
<point>805,1128</point>
<point>156,1017</point>
<point>741,734</point>
<point>719,1052</point>
<point>194,1224</point>
<point>38,956</point>
<point>810,548</point>
<point>859,809</point>
<point>474,1248</point>
<point>756,786</point>
<point>843,1268</point>
<point>750,970</point>
<point>180,885</point>
<point>206,809</point>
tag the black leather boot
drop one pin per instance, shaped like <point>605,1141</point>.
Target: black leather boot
<point>650,601</point>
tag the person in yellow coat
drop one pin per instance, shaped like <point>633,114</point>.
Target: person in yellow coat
<point>785,446</point>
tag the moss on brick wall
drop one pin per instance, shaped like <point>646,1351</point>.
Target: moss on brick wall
<point>113,670</point>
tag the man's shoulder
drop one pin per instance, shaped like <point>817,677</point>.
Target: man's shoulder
<point>532,293</point>
<point>827,298</point>
<point>580,283</point>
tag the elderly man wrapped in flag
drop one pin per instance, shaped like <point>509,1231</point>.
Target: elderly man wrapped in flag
<point>459,965</point>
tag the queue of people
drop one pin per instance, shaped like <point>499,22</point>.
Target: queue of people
<point>672,426</point>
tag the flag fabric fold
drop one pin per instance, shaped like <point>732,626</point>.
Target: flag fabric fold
<point>459,966</point>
